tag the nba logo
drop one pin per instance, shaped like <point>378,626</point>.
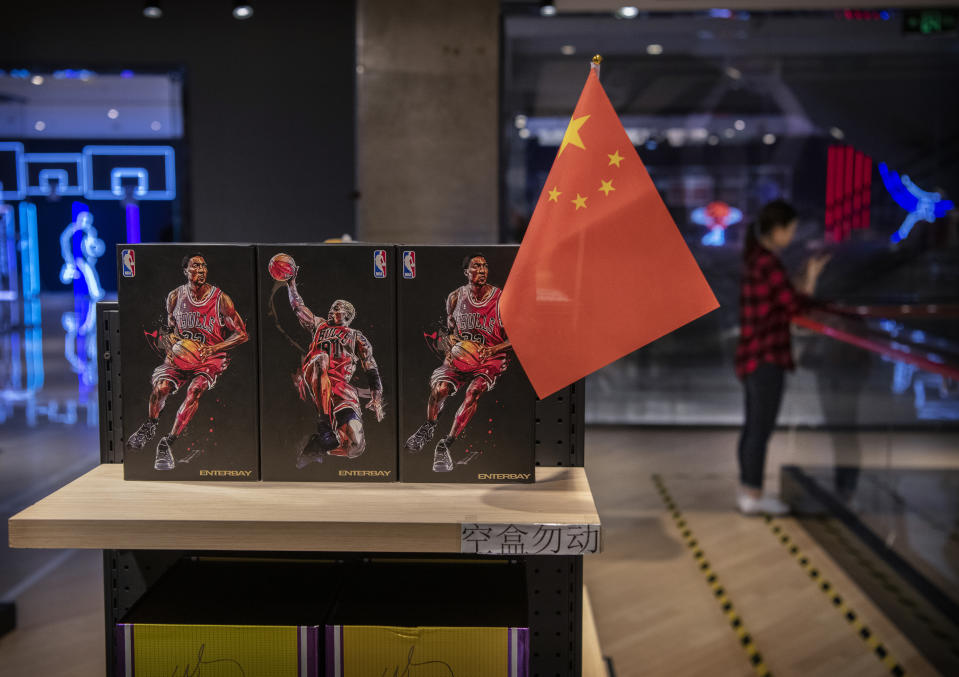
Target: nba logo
<point>129,263</point>
<point>379,263</point>
<point>409,264</point>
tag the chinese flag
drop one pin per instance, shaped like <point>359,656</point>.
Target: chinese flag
<point>602,270</point>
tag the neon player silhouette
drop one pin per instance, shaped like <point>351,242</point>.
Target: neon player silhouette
<point>921,205</point>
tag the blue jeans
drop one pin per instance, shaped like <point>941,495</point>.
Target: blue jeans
<point>764,394</point>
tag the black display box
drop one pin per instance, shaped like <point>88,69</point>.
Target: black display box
<point>327,362</point>
<point>439,310</point>
<point>188,335</point>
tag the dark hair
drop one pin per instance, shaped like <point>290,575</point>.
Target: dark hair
<point>470,257</point>
<point>186,259</point>
<point>775,214</point>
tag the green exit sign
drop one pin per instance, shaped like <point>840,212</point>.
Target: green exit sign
<point>930,21</point>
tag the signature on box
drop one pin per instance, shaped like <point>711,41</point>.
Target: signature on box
<point>409,670</point>
<point>200,662</point>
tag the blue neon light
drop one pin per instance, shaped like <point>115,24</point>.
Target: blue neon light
<point>717,216</point>
<point>79,268</point>
<point>133,222</point>
<point>921,205</point>
<point>42,186</point>
<point>169,193</point>
<point>20,190</point>
<point>30,280</point>
<point>117,175</point>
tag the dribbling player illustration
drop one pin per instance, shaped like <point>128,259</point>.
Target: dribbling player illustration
<point>476,355</point>
<point>202,325</point>
<point>326,371</point>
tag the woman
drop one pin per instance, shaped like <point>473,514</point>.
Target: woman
<point>767,304</point>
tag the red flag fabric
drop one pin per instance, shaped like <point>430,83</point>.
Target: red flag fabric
<point>602,269</point>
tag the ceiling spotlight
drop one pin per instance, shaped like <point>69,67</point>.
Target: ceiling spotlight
<point>568,50</point>
<point>837,133</point>
<point>733,73</point>
<point>547,8</point>
<point>152,9</point>
<point>524,133</point>
<point>155,125</point>
<point>37,80</point>
<point>654,49</point>
<point>740,125</point>
<point>628,12</point>
<point>113,113</point>
<point>729,132</point>
<point>769,139</point>
<point>39,125</point>
<point>242,10</point>
<point>520,121</point>
<point>712,140</point>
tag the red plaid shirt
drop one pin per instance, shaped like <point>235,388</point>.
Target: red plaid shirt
<point>767,303</point>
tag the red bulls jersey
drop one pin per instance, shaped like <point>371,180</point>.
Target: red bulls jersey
<point>478,322</point>
<point>200,321</point>
<point>340,344</point>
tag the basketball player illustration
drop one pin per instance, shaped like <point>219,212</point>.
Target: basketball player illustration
<point>326,371</point>
<point>476,358</point>
<point>203,325</point>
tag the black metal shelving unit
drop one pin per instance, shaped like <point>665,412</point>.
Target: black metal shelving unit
<point>554,583</point>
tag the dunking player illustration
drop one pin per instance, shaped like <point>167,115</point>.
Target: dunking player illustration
<point>202,324</point>
<point>325,375</point>
<point>477,356</point>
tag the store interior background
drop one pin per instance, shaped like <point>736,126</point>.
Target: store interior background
<point>424,122</point>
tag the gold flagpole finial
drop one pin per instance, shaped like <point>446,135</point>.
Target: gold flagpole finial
<point>597,59</point>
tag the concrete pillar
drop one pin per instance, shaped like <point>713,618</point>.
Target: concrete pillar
<point>427,141</point>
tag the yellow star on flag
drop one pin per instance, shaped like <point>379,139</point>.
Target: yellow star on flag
<point>607,186</point>
<point>580,201</point>
<point>572,134</point>
<point>554,194</point>
<point>615,158</point>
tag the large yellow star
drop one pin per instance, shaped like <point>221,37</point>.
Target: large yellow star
<point>580,201</point>
<point>554,194</point>
<point>607,186</point>
<point>572,134</point>
<point>615,158</point>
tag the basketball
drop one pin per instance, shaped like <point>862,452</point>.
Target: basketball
<point>282,267</point>
<point>185,354</point>
<point>465,356</point>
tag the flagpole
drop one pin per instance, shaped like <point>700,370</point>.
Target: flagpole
<point>594,65</point>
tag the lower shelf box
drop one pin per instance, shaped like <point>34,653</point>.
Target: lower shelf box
<point>466,619</point>
<point>230,619</point>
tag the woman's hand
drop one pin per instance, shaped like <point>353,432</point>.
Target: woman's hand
<point>814,268</point>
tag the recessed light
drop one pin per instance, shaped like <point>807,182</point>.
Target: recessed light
<point>242,10</point>
<point>568,50</point>
<point>654,49</point>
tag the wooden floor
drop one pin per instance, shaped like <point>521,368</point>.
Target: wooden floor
<point>655,612</point>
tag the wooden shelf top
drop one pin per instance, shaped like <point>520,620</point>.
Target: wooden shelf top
<point>101,510</point>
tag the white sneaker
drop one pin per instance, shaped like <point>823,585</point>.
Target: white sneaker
<point>767,505</point>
